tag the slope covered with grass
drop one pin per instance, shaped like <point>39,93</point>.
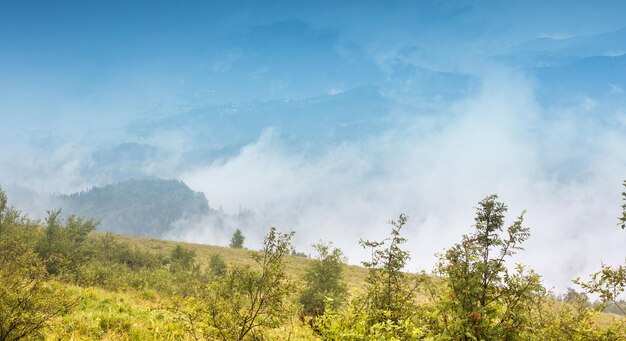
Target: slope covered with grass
<point>60,279</point>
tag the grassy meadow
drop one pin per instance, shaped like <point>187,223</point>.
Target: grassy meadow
<point>146,314</point>
<point>61,279</point>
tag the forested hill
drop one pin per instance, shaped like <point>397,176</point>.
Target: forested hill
<point>142,207</point>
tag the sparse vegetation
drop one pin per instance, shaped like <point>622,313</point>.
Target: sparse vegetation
<point>59,279</point>
<point>245,300</point>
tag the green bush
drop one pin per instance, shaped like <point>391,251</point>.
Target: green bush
<point>28,301</point>
<point>108,250</point>
<point>480,298</point>
<point>245,301</point>
<point>63,245</point>
<point>390,291</point>
<point>182,259</point>
<point>217,266</point>
<point>323,280</point>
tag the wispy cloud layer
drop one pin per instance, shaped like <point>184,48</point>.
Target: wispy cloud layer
<point>565,171</point>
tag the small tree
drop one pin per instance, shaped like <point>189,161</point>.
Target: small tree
<point>574,297</point>
<point>236,242</point>
<point>217,266</point>
<point>609,283</point>
<point>323,280</point>
<point>182,259</point>
<point>63,245</point>
<point>387,310</point>
<point>245,300</point>
<point>391,292</point>
<point>482,300</point>
<point>27,301</point>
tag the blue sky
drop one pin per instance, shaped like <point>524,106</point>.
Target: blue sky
<point>331,117</point>
<point>144,54</point>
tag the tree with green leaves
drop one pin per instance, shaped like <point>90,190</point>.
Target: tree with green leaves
<point>323,280</point>
<point>28,302</point>
<point>387,309</point>
<point>236,242</point>
<point>390,292</point>
<point>246,300</point>
<point>63,245</point>
<point>182,259</point>
<point>609,283</point>
<point>480,298</point>
<point>217,266</point>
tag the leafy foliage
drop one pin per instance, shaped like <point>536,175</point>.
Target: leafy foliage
<point>353,322</point>
<point>609,283</point>
<point>107,250</point>
<point>182,259</point>
<point>323,280</point>
<point>63,245</point>
<point>28,302</point>
<point>59,280</point>
<point>240,304</point>
<point>387,309</point>
<point>480,298</point>
<point>391,292</point>
<point>217,266</point>
<point>572,321</point>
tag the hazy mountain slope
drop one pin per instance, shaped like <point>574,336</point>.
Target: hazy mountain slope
<point>146,207</point>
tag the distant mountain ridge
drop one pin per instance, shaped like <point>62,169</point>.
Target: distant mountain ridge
<point>345,115</point>
<point>141,207</point>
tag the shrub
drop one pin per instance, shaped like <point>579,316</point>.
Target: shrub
<point>217,266</point>
<point>387,310</point>
<point>28,302</point>
<point>246,300</point>
<point>182,259</point>
<point>63,244</point>
<point>390,291</point>
<point>480,299</point>
<point>323,280</point>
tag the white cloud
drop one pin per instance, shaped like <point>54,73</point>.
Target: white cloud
<point>564,170</point>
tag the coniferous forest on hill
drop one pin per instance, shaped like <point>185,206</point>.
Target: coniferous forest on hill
<point>61,279</point>
<point>140,207</point>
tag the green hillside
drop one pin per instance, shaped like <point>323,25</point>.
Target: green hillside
<point>62,280</point>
